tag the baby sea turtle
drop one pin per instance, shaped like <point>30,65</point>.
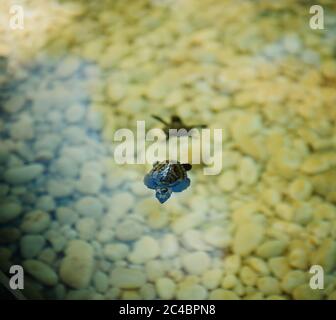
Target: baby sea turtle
<point>176,123</point>
<point>167,177</point>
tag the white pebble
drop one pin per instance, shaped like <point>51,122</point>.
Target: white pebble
<point>86,228</point>
<point>145,249</point>
<point>23,174</point>
<point>196,262</point>
<point>127,278</point>
<point>35,221</point>
<point>9,211</point>
<point>165,288</point>
<point>75,113</point>
<point>89,207</point>
<point>41,272</point>
<point>31,245</point>
<point>169,246</point>
<point>116,251</point>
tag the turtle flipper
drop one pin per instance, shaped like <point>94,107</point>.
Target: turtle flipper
<point>149,182</point>
<point>181,185</point>
<point>163,194</point>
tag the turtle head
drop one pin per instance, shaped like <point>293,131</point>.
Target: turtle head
<point>163,194</point>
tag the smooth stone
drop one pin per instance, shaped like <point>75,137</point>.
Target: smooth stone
<point>169,246</point>
<point>165,288</point>
<point>100,281</point>
<point>145,249</point>
<point>46,203</point>
<point>116,251</point>
<point>60,188</point>
<point>31,245</point>
<point>126,278</point>
<point>35,221</point>
<point>66,215</point>
<point>9,211</point>
<point>41,272</point>
<point>129,230</point>
<point>247,238</point>
<point>77,266</point>
<point>86,228</point>
<point>23,174</point>
<point>196,262</point>
<point>89,207</point>
<point>89,183</point>
<point>191,292</point>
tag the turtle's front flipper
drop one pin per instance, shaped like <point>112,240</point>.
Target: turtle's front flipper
<point>163,194</point>
<point>182,185</point>
<point>160,119</point>
<point>149,182</point>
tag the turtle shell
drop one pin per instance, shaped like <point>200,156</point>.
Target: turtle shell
<point>168,174</point>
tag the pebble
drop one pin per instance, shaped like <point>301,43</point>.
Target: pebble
<point>191,292</point>
<point>9,211</point>
<point>116,251</point>
<point>23,174</point>
<point>123,201</point>
<point>56,239</point>
<point>155,269</point>
<point>76,267</point>
<point>304,292</point>
<point>271,248</point>
<point>147,292</point>
<point>232,264</point>
<point>100,281</point>
<point>188,221</point>
<point>74,113</point>
<point>31,245</point>
<point>126,278</point>
<point>66,216</point>
<point>129,230</point>
<point>90,183</point>
<point>14,104</point>
<point>86,228</point>
<point>325,255</point>
<point>145,249</point>
<point>35,221</point>
<point>41,272</point>
<point>169,246</point>
<point>293,279</point>
<point>228,181</point>
<point>23,129</point>
<point>268,285</point>
<point>46,203</point>
<point>221,294</point>
<point>47,255</point>
<point>60,188</point>
<point>248,171</point>
<point>300,189</point>
<point>196,262</point>
<point>105,235</point>
<point>193,240</point>
<point>89,207</point>
<point>67,167</point>
<point>217,236</point>
<point>247,238</point>
<point>165,288</point>
<point>211,278</point>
